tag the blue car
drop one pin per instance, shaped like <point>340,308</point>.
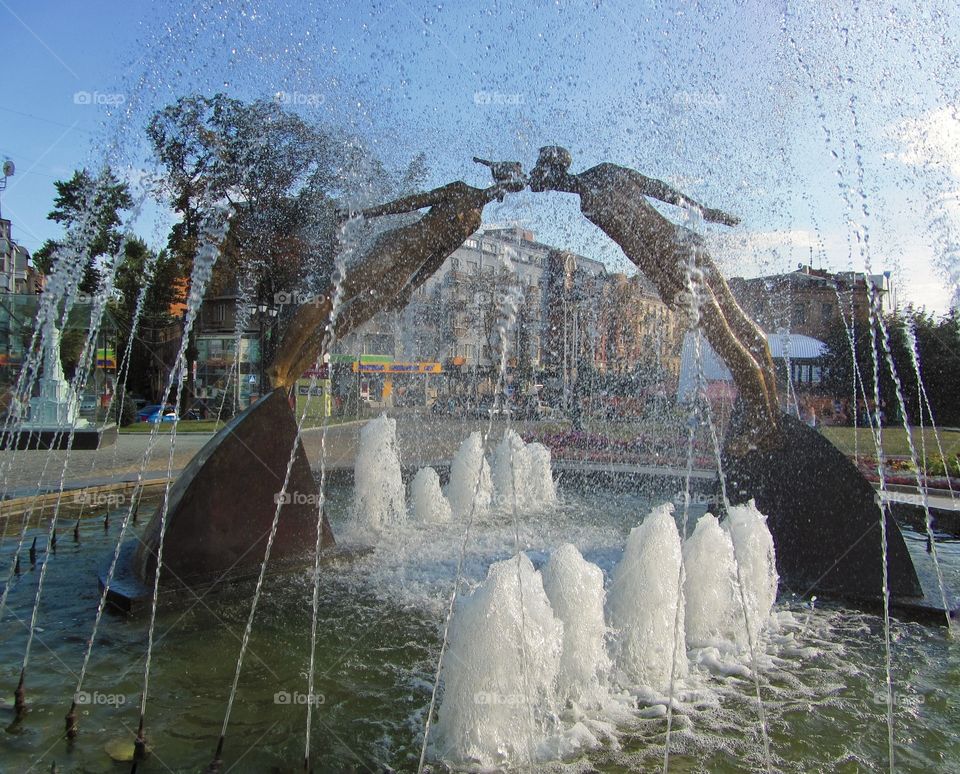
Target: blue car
<point>156,413</point>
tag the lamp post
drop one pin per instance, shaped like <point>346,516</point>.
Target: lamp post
<point>264,312</point>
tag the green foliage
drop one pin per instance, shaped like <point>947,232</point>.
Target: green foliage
<point>71,347</point>
<point>163,290</point>
<point>132,275</point>
<point>938,356</point>
<point>84,199</point>
<point>125,411</point>
<point>276,170</point>
<point>105,195</point>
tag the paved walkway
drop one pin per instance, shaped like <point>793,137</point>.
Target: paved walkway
<point>28,472</point>
<point>421,440</point>
<point>940,501</point>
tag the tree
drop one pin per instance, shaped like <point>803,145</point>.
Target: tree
<point>488,294</point>
<point>283,179</point>
<point>839,365</point>
<point>163,292</point>
<point>938,354</point>
<point>276,172</point>
<point>99,200</point>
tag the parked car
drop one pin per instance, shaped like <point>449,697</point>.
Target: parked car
<point>152,410</point>
<point>492,411</point>
<point>164,416</point>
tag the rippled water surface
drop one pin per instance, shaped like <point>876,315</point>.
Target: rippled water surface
<point>379,635</point>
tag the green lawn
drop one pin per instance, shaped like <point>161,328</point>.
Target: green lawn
<point>894,440</point>
<point>183,426</point>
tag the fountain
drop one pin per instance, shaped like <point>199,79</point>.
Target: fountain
<point>379,498</point>
<point>54,421</point>
<point>501,612</point>
<point>564,644</point>
<point>428,501</point>
<point>643,603</point>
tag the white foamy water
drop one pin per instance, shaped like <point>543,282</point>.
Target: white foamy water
<point>470,485</point>
<point>712,602</point>
<point>543,489</point>
<point>501,667</point>
<point>575,589</point>
<point>543,665</point>
<point>427,502</point>
<point>522,474</point>
<point>758,567</point>
<point>379,496</point>
<point>642,604</point>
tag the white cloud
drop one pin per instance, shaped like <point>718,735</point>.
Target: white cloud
<point>746,253</point>
<point>932,139</point>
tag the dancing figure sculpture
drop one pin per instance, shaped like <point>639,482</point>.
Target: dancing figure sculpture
<point>819,505</point>
<point>221,507</point>
<point>615,199</point>
<point>820,508</point>
<point>398,263</point>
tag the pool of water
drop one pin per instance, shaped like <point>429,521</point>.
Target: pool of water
<point>381,620</point>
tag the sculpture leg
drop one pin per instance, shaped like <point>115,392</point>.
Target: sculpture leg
<point>746,330</point>
<point>299,336</point>
<point>747,373</point>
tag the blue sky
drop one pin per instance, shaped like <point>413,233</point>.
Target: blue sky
<point>792,118</point>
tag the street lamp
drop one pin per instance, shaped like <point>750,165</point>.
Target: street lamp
<point>264,312</point>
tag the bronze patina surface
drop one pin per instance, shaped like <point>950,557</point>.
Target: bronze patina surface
<point>822,513</point>
<point>221,507</point>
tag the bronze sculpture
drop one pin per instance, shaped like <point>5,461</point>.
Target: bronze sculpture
<point>217,522</point>
<point>614,198</point>
<point>769,456</point>
<point>819,506</point>
<point>398,263</point>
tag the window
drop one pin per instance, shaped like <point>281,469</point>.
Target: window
<point>826,312</point>
<point>800,314</point>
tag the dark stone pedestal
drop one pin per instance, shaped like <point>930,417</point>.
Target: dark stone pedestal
<point>58,438</point>
<point>824,517</point>
<point>222,505</point>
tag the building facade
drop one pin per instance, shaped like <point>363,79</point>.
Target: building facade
<point>501,282</point>
<point>228,350</point>
<point>637,327</point>
<point>809,301</point>
<point>555,314</point>
<point>17,273</point>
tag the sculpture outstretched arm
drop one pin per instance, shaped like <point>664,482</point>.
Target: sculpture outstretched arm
<point>399,262</point>
<point>657,189</point>
<point>507,176</point>
<point>615,198</point>
<point>410,203</point>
